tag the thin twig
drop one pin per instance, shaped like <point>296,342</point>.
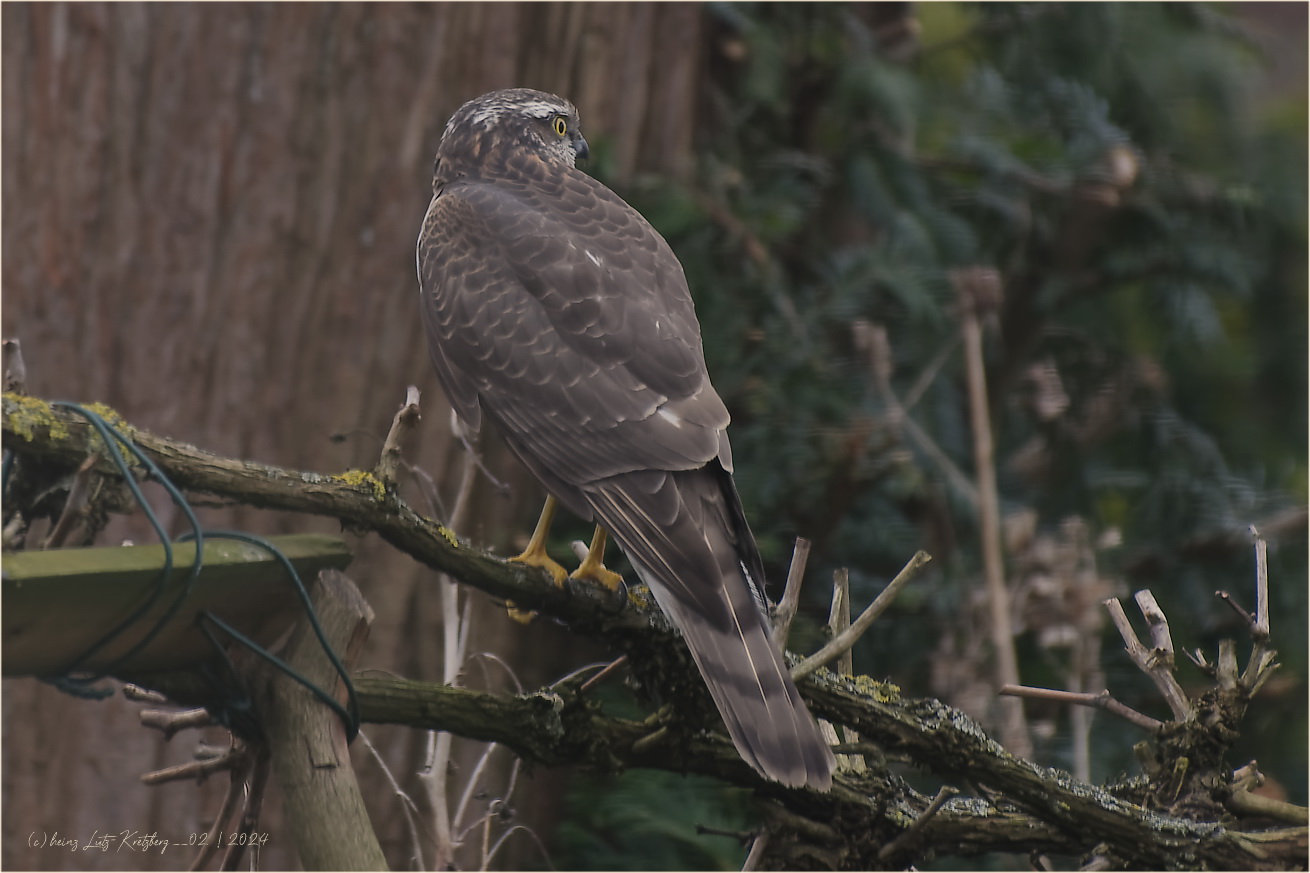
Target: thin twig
<point>1245,803</point>
<point>435,773</point>
<point>15,368</point>
<point>1083,698</point>
<point>651,740</point>
<point>945,793</point>
<point>173,722</point>
<point>470,789</point>
<point>791,594</point>
<point>756,854</point>
<point>1162,643</point>
<point>428,487</point>
<point>1261,665</point>
<point>1197,657</point>
<point>599,677</point>
<point>839,616</point>
<point>978,291</point>
<point>406,418</point>
<point>407,805</point>
<point>839,619</point>
<point>1247,618</point>
<point>929,372</point>
<point>79,493</point>
<point>235,789</point>
<point>469,443</point>
<point>1226,668</point>
<point>199,770</point>
<point>1159,673</point>
<point>143,695</point>
<point>847,638</point>
<point>257,782</point>
<point>874,337</point>
<point>1261,631</point>
<point>500,841</point>
<point>480,658</point>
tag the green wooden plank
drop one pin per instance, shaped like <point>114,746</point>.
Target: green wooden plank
<point>58,603</point>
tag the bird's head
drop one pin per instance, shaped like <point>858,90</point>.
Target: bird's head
<point>518,119</point>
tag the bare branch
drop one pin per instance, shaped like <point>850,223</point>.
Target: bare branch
<point>1244,803</point>
<point>839,616</point>
<point>1159,673</point>
<point>1161,642</point>
<point>791,594</point>
<point>756,854</point>
<point>848,637</point>
<point>1247,618</point>
<point>407,804</point>
<point>257,781</point>
<point>199,770</point>
<point>79,494</point>
<point>1261,586</point>
<point>596,680</point>
<point>143,695</point>
<point>1082,698</point>
<point>172,722</point>
<point>1202,663</point>
<point>407,417</point>
<point>873,339</point>
<point>1226,669</point>
<point>978,293</point>
<point>1261,666</point>
<point>945,793</point>
<point>240,769</point>
<point>15,367</point>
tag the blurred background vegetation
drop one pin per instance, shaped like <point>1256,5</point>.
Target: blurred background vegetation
<point>209,217</point>
<point>1139,184</point>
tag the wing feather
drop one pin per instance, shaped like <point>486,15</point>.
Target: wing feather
<point>572,335</point>
<point>554,309</point>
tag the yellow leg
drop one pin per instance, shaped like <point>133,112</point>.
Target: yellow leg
<point>593,567</point>
<point>535,556</point>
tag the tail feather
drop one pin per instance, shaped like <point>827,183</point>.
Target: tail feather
<point>686,535</point>
<point>746,676</point>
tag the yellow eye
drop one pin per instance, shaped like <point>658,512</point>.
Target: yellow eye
<point>561,126</point>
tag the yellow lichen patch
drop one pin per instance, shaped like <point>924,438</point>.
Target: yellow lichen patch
<point>883,692</point>
<point>448,534</point>
<point>116,421</point>
<point>111,417</point>
<point>26,416</point>
<point>364,479</point>
<point>639,596</point>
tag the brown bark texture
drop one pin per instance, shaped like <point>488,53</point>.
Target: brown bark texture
<point>209,220</point>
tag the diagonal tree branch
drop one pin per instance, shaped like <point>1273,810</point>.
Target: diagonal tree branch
<point>1029,808</point>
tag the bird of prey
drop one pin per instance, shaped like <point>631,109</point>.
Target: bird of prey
<point>554,310</point>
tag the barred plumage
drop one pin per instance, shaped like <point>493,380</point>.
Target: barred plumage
<point>555,310</point>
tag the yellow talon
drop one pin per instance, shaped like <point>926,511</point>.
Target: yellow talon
<point>535,556</point>
<point>593,567</point>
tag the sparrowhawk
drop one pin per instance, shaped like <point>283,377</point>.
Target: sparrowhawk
<point>554,310</point>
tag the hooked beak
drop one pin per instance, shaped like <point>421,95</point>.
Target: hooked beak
<point>580,147</point>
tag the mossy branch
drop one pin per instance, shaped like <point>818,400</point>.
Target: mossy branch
<point>1028,808</point>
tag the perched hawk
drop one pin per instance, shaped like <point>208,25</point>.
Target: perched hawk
<point>553,309</point>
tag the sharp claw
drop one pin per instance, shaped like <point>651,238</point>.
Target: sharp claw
<point>599,574</point>
<point>593,569</point>
<point>535,558</point>
<point>557,573</point>
<point>522,616</point>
